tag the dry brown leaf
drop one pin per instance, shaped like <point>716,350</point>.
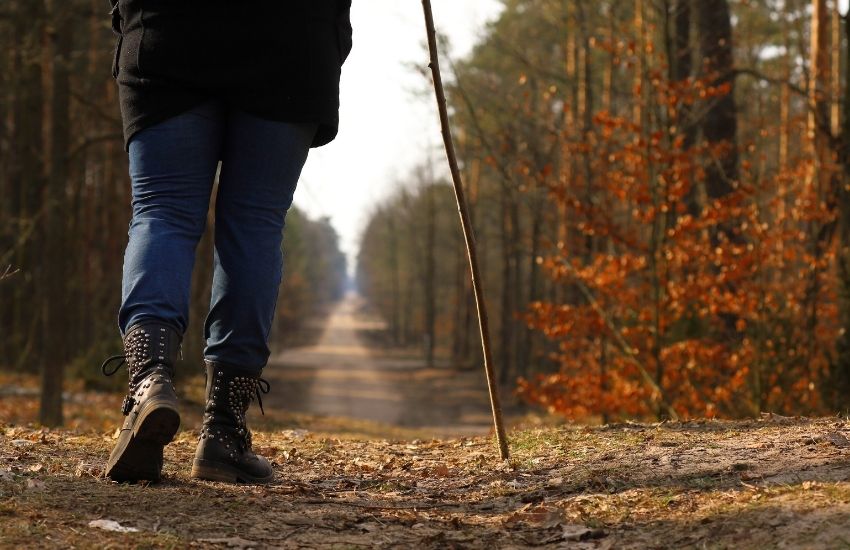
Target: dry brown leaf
<point>440,470</point>
<point>35,484</point>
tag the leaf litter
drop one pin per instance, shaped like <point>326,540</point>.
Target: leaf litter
<point>758,483</point>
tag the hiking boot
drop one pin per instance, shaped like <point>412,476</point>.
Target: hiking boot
<point>224,447</point>
<point>150,408</point>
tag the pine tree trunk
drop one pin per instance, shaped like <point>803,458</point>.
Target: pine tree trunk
<point>395,294</point>
<point>58,45</point>
<point>840,372</point>
<point>429,290</point>
<point>720,123</point>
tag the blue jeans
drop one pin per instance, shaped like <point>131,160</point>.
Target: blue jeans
<point>172,167</point>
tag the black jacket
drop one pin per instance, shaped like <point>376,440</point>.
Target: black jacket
<point>276,59</point>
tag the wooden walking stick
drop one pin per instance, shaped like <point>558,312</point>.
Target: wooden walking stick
<point>468,236</point>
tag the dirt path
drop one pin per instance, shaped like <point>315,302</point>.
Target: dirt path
<point>777,483</point>
<point>344,375</point>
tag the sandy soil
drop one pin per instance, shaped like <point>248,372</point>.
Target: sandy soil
<point>774,483</point>
<point>344,375</point>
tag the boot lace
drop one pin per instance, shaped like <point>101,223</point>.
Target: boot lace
<point>262,386</point>
<point>105,364</point>
<point>245,442</point>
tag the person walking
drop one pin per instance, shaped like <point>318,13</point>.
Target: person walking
<point>252,85</point>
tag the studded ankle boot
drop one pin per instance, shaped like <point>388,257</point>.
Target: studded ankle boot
<point>224,449</point>
<point>150,408</point>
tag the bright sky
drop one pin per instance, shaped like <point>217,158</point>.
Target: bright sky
<point>386,124</point>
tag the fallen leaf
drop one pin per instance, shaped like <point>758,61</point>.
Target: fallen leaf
<point>111,525</point>
<point>35,484</point>
<point>266,450</point>
<point>364,466</point>
<point>539,515</point>
<point>440,470</point>
<point>554,482</point>
<point>87,470</point>
<point>295,434</point>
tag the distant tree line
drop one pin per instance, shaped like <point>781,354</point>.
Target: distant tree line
<point>65,204</point>
<point>411,269</point>
<point>659,190</point>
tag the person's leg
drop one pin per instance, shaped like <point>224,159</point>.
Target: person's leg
<point>172,167</point>
<point>261,163</point>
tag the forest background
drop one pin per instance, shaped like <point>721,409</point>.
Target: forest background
<point>659,193</point>
<point>659,190</point>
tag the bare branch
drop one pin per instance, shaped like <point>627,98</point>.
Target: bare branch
<point>8,272</point>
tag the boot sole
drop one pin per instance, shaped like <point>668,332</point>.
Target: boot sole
<point>140,457</point>
<point>218,471</point>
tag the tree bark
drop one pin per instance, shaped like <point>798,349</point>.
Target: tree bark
<point>429,283</point>
<point>720,123</point>
<point>59,42</point>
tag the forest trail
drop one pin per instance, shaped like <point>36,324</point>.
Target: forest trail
<point>771,483</point>
<point>346,375</point>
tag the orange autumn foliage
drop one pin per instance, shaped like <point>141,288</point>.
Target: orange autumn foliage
<point>727,309</point>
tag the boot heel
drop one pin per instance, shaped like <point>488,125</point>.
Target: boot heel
<point>138,456</point>
<point>214,471</point>
<point>158,423</point>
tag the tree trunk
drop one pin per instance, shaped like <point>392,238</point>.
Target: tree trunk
<point>835,72</point>
<point>840,371</point>
<point>395,294</point>
<point>507,291</point>
<point>26,170</point>
<point>429,290</point>
<point>720,123</point>
<point>818,178</point>
<point>59,42</point>
<point>640,62</point>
